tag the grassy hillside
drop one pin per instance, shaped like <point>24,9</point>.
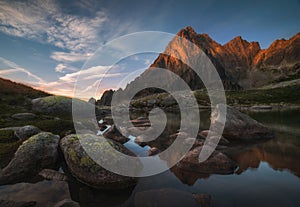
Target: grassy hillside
<point>280,95</point>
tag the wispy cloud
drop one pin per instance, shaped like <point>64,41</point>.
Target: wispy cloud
<point>11,69</point>
<point>43,20</point>
<point>62,68</point>
<point>70,57</point>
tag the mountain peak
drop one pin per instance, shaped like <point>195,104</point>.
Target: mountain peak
<point>187,32</point>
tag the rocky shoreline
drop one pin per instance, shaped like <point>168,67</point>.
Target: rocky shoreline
<point>35,153</point>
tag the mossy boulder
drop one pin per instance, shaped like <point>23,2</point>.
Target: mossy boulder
<point>217,163</point>
<point>53,105</point>
<point>86,170</point>
<point>27,131</point>
<point>36,153</point>
<point>239,126</point>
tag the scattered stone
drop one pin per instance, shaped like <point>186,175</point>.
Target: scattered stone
<point>195,142</point>
<point>36,153</point>
<point>217,163</point>
<point>114,134</point>
<point>67,203</point>
<point>153,151</point>
<point>139,140</point>
<point>24,116</point>
<point>50,174</point>
<point>25,132</point>
<point>89,172</point>
<point>239,126</point>
<point>182,134</point>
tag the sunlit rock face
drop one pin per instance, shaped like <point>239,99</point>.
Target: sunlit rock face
<point>240,64</point>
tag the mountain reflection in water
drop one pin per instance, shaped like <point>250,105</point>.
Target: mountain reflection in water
<point>268,174</point>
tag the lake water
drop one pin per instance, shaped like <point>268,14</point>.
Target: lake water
<point>268,175</point>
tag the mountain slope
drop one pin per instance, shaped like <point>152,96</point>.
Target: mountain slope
<point>240,64</point>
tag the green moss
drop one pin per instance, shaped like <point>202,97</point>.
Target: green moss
<point>60,127</point>
<point>72,154</point>
<point>86,161</point>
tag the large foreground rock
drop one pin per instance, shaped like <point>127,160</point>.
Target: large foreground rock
<point>239,126</point>
<point>86,170</point>
<point>217,163</point>
<point>36,153</point>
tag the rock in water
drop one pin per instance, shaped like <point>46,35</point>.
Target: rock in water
<point>25,132</point>
<point>217,163</point>
<point>239,126</point>
<point>114,134</point>
<point>89,172</point>
<point>35,154</point>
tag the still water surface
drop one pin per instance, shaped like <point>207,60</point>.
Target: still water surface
<point>268,175</point>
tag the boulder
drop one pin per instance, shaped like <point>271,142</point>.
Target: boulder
<point>213,137</point>
<point>153,151</point>
<point>25,132</point>
<point>114,134</point>
<point>86,170</point>
<point>239,126</point>
<point>52,105</point>
<point>24,116</point>
<point>217,163</point>
<point>57,105</point>
<point>36,153</point>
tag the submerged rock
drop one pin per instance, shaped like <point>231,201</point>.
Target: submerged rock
<point>217,163</point>
<point>24,116</point>
<point>87,171</point>
<point>239,126</point>
<point>25,132</point>
<point>36,153</point>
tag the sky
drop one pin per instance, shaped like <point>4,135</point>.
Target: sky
<point>47,44</point>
